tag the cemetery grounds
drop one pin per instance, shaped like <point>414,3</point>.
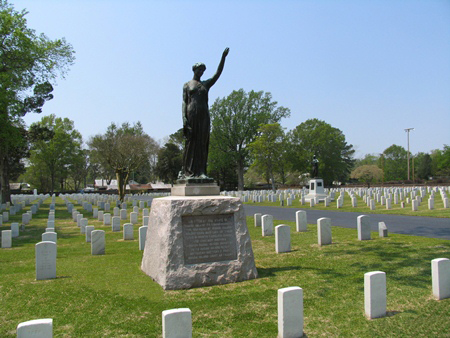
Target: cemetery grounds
<point>109,296</point>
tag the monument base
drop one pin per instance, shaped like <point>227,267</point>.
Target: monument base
<point>316,190</point>
<point>197,241</point>
<point>195,189</point>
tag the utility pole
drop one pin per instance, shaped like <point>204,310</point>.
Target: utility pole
<point>407,132</point>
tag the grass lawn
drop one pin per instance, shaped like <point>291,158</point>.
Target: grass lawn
<point>109,296</point>
<point>438,211</point>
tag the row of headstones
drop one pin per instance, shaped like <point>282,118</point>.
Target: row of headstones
<point>177,323</point>
<point>105,202</point>
<point>283,232</point>
<point>46,251</point>
<point>98,245</point>
<point>395,194</point>
<point>8,235</point>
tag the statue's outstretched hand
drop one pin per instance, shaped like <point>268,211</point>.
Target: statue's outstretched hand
<point>225,52</point>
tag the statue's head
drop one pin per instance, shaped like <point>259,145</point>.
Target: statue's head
<point>199,65</point>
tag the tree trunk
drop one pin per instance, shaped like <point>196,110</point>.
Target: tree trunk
<point>240,173</point>
<point>122,178</point>
<point>273,182</point>
<point>4,180</point>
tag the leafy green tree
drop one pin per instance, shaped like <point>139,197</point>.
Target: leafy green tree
<point>170,161</point>
<point>221,166</point>
<point>235,121</point>
<point>316,137</point>
<point>395,163</point>
<point>423,165</point>
<point>79,168</point>
<point>177,139</point>
<point>122,149</point>
<point>54,157</point>
<point>28,64</point>
<point>268,149</point>
<point>367,173</point>
<point>368,159</point>
<point>441,161</point>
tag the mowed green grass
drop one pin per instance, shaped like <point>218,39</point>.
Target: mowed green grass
<point>109,296</point>
<point>396,209</point>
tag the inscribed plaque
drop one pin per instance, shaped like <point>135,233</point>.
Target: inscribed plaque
<point>209,238</point>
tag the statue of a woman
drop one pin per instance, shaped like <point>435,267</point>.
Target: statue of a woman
<point>315,172</point>
<point>196,121</point>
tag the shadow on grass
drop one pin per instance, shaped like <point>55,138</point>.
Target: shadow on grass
<point>397,259</point>
<point>271,272</point>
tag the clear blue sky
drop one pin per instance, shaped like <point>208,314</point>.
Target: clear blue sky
<point>369,68</point>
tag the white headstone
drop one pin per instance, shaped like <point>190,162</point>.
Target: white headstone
<point>89,230</point>
<point>45,260</point>
<point>5,216</point>
<point>177,323</point>
<point>145,220</point>
<point>267,225</point>
<point>145,212</point>
<point>14,230</point>
<point>133,217</point>
<point>300,221</point>
<point>142,236</point>
<point>25,218</point>
<point>382,229</point>
<point>128,233</point>
<point>107,219</point>
<point>51,224</point>
<point>123,214</point>
<point>49,237</point>
<point>100,216</point>
<point>83,225</point>
<point>324,231</point>
<point>6,238</point>
<point>38,328</point>
<point>116,223</point>
<point>440,277</point>
<point>363,226</point>
<point>282,238</point>
<point>257,219</point>
<point>375,294</point>
<point>98,242</point>
<point>116,211</point>
<point>290,312</point>
<point>79,217</point>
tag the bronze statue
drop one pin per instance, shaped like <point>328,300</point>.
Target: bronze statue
<point>315,163</point>
<point>196,121</point>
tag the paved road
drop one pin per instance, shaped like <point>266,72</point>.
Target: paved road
<point>408,225</point>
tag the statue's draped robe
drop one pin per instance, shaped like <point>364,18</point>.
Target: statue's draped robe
<point>196,129</point>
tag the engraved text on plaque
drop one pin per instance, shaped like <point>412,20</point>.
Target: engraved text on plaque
<point>209,238</point>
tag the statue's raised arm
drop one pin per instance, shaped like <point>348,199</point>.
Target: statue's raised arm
<point>209,83</point>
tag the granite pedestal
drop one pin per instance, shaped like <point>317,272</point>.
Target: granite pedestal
<point>195,241</point>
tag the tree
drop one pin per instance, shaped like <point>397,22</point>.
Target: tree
<point>316,137</point>
<point>122,149</point>
<point>395,163</point>
<point>170,161</point>
<point>423,165</point>
<point>441,161</point>
<point>235,122</point>
<point>28,64</point>
<point>221,166</point>
<point>55,156</point>
<point>368,173</point>
<point>268,149</point>
<point>368,159</point>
